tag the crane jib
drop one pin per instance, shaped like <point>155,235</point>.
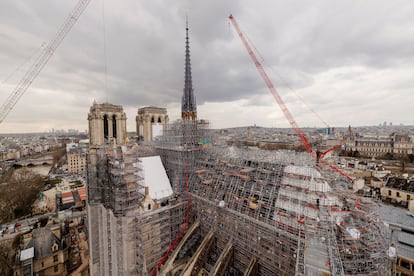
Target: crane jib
<point>280,101</point>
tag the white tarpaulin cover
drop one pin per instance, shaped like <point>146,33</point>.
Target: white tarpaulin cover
<point>155,177</point>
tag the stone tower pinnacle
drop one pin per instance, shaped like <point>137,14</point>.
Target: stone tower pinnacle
<point>188,102</point>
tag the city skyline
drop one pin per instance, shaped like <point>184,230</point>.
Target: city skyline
<point>351,63</point>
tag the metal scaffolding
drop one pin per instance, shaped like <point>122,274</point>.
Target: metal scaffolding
<point>128,238</point>
<point>281,211</point>
<point>182,142</point>
<point>155,231</point>
<point>253,212</point>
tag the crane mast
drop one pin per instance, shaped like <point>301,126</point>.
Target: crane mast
<point>42,60</point>
<point>272,88</point>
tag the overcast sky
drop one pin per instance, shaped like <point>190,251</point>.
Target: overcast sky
<point>333,62</point>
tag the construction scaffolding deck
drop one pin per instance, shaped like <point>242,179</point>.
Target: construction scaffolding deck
<point>280,211</point>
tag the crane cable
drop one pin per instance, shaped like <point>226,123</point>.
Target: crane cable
<point>42,60</point>
<point>285,82</point>
<point>279,100</point>
<point>105,51</point>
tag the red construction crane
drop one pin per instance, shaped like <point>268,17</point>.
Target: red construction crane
<point>272,88</point>
<point>279,100</point>
<point>41,61</point>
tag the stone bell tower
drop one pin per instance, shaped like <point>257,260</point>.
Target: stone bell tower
<point>107,124</point>
<point>149,120</point>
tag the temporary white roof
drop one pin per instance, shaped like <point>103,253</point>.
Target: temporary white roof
<point>155,177</point>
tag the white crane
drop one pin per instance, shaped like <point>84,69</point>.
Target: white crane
<point>42,59</point>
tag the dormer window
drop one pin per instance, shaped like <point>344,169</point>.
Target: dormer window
<point>55,247</point>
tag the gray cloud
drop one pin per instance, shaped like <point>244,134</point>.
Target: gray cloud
<point>340,57</point>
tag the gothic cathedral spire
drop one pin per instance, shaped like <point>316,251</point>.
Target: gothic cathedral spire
<point>188,102</point>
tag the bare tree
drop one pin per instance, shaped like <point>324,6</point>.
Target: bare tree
<point>6,257</point>
<point>57,155</point>
<point>18,194</point>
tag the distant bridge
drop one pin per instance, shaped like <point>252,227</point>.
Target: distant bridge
<point>43,160</point>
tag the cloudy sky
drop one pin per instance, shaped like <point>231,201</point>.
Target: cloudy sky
<point>333,62</point>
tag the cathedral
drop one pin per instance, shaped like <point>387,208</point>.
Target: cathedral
<point>182,206</point>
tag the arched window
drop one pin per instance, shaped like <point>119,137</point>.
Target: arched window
<point>114,126</point>
<point>159,119</point>
<point>152,120</point>
<point>105,123</point>
<point>149,206</point>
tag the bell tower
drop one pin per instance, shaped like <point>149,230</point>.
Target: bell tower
<point>107,124</point>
